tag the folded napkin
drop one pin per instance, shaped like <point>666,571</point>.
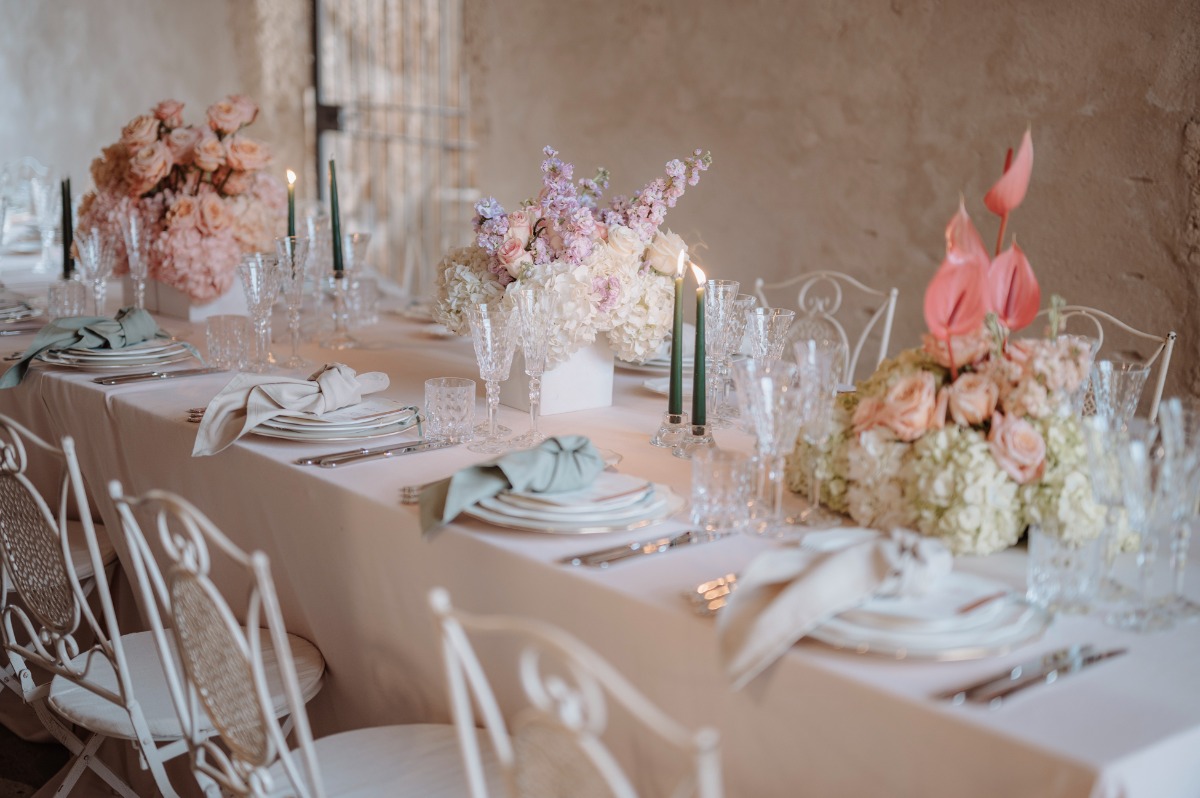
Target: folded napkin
<point>250,399</point>
<point>130,326</point>
<point>784,594</point>
<point>563,463</point>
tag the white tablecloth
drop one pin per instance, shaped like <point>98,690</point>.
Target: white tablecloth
<point>353,573</point>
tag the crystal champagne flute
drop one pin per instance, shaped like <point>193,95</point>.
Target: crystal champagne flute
<point>292,252</point>
<point>260,274</point>
<point>493,332</point>
<point>821,362</point>
<point>137,249</point>
<point>96,257</point>
<point>536,326</point>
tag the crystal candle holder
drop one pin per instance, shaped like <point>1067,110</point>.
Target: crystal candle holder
<point>672,430</point>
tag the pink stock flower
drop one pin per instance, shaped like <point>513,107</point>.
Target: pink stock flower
<point>1018,448</point>
<point>141,132</point>
<point>170,113</point>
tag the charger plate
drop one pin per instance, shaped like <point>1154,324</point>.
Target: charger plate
<point>663,504</point>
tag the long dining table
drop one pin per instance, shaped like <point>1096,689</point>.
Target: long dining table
<point>353,572</point>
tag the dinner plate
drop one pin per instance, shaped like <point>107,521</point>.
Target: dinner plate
<point>608,487</point>
<point>369,414</point>
<point>649,503</point>
<point>107,365</point>
<point>143,349</point>
<point>615,504</point>
<point>334,435</point>
<point>960,602</point>
<point>671,504</point>
<point>662,386</point>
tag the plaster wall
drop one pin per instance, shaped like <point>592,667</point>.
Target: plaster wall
<point>843,132</point>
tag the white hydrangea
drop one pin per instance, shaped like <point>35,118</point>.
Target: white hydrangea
<point>643,321</point>
<point>828,460</point>
<point>875,497</point>
<point>960,494</point>
<point>463,280</point>
<point>1062,500</point>
<point>574,314</point>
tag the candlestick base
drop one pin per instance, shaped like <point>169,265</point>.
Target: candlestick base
<point>672,432</point>
<point>698,436</point>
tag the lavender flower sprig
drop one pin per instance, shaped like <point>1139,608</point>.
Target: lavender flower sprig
<point>648,209</point>
<point>491,223</point>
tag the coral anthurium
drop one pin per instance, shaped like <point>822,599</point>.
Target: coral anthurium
<point>1012,289</point>
<point>964,246</point>
<point>955,302</point>
<point>1009,190</point>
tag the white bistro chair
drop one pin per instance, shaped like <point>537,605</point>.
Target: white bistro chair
<point>1094,323</point>
<point>553,745</point>
<point>220,671</point>
<point>47,625</point>
<point>820,297</point>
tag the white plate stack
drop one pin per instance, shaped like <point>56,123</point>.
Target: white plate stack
<point>373,418</point>
<point>148,354</point>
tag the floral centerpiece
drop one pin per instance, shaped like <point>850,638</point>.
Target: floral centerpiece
<point>610,266</point>
<point>972,437</point>
<point>200,188</point>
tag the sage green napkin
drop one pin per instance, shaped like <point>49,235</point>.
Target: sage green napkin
<point>130,326</point>
<point>563,463</point>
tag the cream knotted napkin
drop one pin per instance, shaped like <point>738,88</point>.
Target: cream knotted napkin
<point>785,593</point>
<point>250,399</point>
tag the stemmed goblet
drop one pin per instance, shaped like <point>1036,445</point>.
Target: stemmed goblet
<point>47,207</point>
<point>536,325</point>
<point>720,307</point>
<point>821,363</point>
<point>96,257</point>
<point>1117,384</point>
<point>292,253</point>
<point>137,250</point>
<point>1180,425</point>
<point>767,330</point>
<point>772,397</point>
<point>494,334</point>
<point>260,275</point>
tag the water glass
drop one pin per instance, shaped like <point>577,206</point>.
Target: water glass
<point>1062,574</point>
<point>228,338</point>
<point>67,298</point>
<point>449,409</point>
<point>1117,384</point>
<point>723,486</point>
<point>767,330</point>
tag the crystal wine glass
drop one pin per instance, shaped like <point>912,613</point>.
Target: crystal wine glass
<point>772,398</point>
<point>821,362</point>
<point>493,331</point>
<point>137,248</point>
<point>720,306</point>
<point>47,207</point>
<point>1117,384</point>
<point>96,259</point>
<point>536,326</point>
<point>354,250</point>
<point>260,273</point>
<point>292,254</point>
<point>1180,425</point>
<point>767,331</point>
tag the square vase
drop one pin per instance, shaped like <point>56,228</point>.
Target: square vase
<point>584,381</point>
<point>167,301</point>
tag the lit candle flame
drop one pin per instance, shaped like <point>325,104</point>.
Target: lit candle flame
<point>680,262</point>
<point>696,270</point>
<point>291,177</point>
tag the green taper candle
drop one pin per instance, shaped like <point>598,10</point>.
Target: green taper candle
<point>68,234</point>
<point>291,176</point>
<point>675,399</point>
<point>337,219</point>
<point>699,416</point>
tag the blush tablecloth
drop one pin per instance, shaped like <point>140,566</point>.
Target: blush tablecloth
<point>353,573</point>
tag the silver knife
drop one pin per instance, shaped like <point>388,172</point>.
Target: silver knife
<point>1041,664</point>
<point>143,376</point>
<point>605,557</point>
<point>995,698</point>
<point>382,452</point>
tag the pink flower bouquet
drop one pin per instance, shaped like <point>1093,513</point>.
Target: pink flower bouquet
<point>200,188</point>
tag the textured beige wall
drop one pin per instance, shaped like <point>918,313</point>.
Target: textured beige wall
<point>843,132</point>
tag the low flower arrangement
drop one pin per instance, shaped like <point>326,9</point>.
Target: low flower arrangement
<point>972,437</point>
<point>200,188</point>
<point>610,266</point>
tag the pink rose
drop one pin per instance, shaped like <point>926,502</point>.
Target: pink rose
<point>246,154</point>
<point>870,413</point>
<point>183,213</point>
<point>972,399</point>
<point>910,405</point>
<point>170,113</point>
<point>513,257</point>
<point>182,142</point>
<point>520,226</point>
<point>209,153</point>
<point>141,132</point>
<point>967,349</point>
<point>225,116</point>
<point>601,230</point>
<point>1018,448</point>
<point>214,216</point>
<point>150,165</point>
<point>941,408</point>
<point>237,183</point>
<point>246,108</point>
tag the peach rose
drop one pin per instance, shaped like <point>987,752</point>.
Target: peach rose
<point>972,399</point>
<point>513,257</point>
<point>663,253</point>
<point>150,165</point>
<point>967,349</point>
<point>910,405</point>
<point>237,183</point>
<point>870,413</point>
<point>182,143</point>
<point>242,152</point>
<point>183,213</point>
<point>1018,448</point>
<point>941,409</point>
<point>214,215</point>
<point>225,116</point>
<point>170,112</point>
<point>209,153</point>
<point>246,108</point>
<point>141,132</point>
<point>520,226</point>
